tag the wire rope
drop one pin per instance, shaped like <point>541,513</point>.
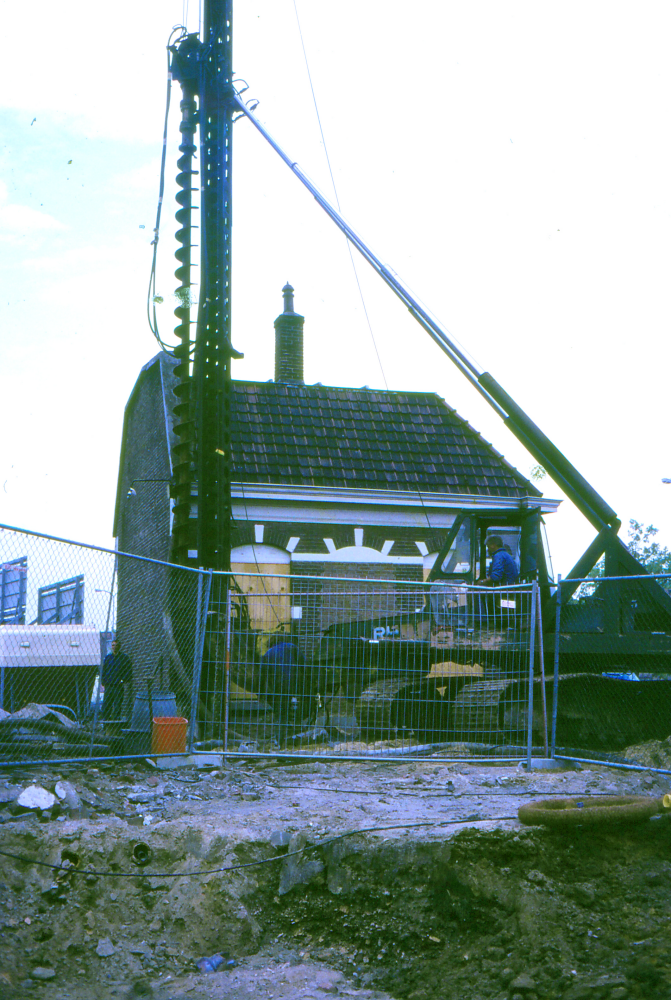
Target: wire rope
<point>151,291</point>
<point>335,193</point>
<point>349,247</point>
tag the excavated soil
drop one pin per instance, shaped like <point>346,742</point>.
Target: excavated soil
<point>451,899</point>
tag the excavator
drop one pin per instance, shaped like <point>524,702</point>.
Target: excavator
<point>621,626</point>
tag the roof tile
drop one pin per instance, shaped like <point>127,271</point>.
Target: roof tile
<point>315,435</point>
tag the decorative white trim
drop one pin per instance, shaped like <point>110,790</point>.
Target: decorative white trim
<point>358,537</point>
<point>355,554</point>
<point>258,533</point>
<point>330,545</point>
<point>261,554</point>
<point>292,543</point>
<point>422,546</point>
<point>387,547</point>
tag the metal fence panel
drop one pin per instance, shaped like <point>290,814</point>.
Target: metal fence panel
<point>252,663</point>
<point>613,648</point>
<point>361,668</point>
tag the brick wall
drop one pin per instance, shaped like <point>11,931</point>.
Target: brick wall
<point>155,605</point>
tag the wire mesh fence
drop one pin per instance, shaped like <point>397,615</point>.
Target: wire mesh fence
<point>264,663</point>
<point>613,646</point>
<point>359,668</point>
<point>250,662</point>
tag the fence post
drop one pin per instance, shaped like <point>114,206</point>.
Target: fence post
<point>227,676</point>
<point>541,656</point>
<point>102,661</point>
<point>555,679</point>
<point>532,657</point>
<point>202,605</point>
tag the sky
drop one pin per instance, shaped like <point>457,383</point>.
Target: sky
<point>508,160</point>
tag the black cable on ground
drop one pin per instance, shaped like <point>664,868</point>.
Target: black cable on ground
<point>249,864</point>
<point>441,794</point>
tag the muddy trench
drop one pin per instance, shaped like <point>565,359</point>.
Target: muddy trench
<point>502,913</point>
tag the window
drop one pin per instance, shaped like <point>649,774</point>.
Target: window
<point>13,586</point>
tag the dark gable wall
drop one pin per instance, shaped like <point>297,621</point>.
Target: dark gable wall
<point>154,608</point>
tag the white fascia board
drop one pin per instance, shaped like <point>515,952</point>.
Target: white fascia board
<point>280,513</point>
<point>374,507</point>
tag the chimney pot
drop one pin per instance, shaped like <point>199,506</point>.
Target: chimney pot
<point>288,294</point>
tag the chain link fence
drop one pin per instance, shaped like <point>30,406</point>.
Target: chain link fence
<point>255,663</point>
<point>65,692</point>
<point>261,663</point>
<point>612,650</point>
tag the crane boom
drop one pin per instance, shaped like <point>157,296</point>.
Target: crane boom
<point>562,472</point>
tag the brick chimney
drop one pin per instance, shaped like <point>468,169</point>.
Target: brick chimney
<point>289,341</point>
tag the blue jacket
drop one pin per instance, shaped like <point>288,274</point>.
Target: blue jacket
<point>117,668</point>
<point>503,568</point>
<point>284,655</point>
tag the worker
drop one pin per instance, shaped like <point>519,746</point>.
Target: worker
<point>117,675</point>
<point>502,569</point>
<point>282,681</point>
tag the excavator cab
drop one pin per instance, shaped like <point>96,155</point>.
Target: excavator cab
<point>464,560</point>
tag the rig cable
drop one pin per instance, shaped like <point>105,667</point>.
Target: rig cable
<point>468,368</point>
<point>151,291</point>
<point>337,199</point>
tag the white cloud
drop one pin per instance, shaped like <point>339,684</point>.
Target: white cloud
<point>20,220</point>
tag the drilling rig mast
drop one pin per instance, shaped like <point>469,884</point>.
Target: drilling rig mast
<point>203,68</point>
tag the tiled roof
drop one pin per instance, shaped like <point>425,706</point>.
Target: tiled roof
<point>315,435</point>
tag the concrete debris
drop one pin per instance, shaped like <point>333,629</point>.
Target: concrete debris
<point>9,793</point>
<point>36,797</point>
<point>523,984</point>
<point>141,949</point>
<point>67,793</point>
<point>280,838</point>
<point>43,973</point>
<point>300,869</point>
<point>105,948</point>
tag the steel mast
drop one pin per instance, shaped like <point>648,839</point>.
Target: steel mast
<point>203,67</point>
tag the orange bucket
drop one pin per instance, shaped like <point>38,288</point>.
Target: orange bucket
<point>168,735</point>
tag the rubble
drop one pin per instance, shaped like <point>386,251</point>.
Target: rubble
<point>40,972</point>
<point>654,753</point>
<point>68,795</point>
<point>105,948</point>
<point>36,797</point>
<point>37,730</point>
<point>389,912</point>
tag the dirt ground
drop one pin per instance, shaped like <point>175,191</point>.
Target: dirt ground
<point>434,891</point>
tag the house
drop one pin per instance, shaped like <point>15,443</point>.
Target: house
<point>328,482</point>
